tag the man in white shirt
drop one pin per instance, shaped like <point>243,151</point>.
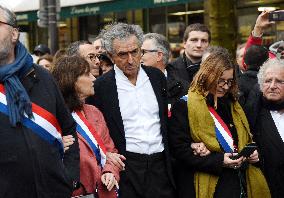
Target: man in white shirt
<point>155,51</point>
<point>265,112</point>
<point>133,100</point>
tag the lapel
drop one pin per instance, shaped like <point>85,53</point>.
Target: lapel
<point>270,131</point>
<point>112,101</point>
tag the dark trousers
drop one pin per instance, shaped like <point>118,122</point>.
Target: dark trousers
<point>145,176</point>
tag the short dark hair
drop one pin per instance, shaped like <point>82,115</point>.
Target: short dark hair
<point>196,27</point>
<point>73,48</point>
<point>255,56</point>
<point>66,72</point>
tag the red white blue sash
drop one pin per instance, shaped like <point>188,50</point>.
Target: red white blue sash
<point>43,123</point>
<point>223,133</point>
<point>85,129</point>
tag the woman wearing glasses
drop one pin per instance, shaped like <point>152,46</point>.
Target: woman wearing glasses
<point>207,128</point>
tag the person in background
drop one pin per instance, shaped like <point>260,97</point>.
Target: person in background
<point>255,38</point>
<point>46,61</point>
<point>59,54</point>
<point>255,56</point>
<point>33,118</point>
<point>239,58</point>
<point>105,63</point>
<point>97,174</point>
<point>155,51</point>
<point>132,98</point>
<point>196,39</point>
<point>88,51</point>
<point>265,112</point>
<point>210,114</point>
<point>98,43</point>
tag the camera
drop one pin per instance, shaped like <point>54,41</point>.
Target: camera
<point>276,15</point>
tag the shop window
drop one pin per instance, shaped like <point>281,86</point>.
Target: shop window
<point>157,20</point>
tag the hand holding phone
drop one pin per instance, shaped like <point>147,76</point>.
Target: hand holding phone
<point>246,151</point>
<point>276,15</point>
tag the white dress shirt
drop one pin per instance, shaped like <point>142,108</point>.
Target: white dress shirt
<point>140,113</point>
<point>278,119</point>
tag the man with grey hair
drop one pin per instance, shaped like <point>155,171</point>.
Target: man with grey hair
<point>33,117</point>
<point>88,51</point>
<point>132,98</point>
<point>265,112</point>
<point>155,51</point>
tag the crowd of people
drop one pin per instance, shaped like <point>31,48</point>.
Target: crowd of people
<point>115,118</point>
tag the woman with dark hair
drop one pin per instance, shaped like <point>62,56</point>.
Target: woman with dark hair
<point>210,114</point>
<point>97,173</point>
<point>46,61</point>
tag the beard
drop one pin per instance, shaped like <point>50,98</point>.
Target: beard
<point>5,50</point>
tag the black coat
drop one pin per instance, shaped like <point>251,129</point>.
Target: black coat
<point>106,99</point>
<point>29,166</point>
<point>180,74</point>
<point>246,82</point>
<point>271,145</point>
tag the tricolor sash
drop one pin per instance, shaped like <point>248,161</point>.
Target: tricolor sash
<point>85,129</point>
<point>223,133</point>
<point>43,123</point>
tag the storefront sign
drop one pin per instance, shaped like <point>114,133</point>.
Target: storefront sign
<point>88,10</point>
<point>104,7</point>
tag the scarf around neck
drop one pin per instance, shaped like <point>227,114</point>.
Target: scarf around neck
<point>18,100</point>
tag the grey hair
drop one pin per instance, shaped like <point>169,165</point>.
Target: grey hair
<point>9,16</point>
<point>270,63</point>
<point>215,50</point>
<point>121,31</point>
<point>161,43</point>
<point>73,48</point>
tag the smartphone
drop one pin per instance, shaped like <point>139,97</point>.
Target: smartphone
<point>276,15</point>
<point>246,151</point>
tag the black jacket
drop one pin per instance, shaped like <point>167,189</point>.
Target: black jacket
<point>180,75</point>
<point>106,99</point>
<point>246,82</point>
<point>270,143</point>
<point>29,166</point>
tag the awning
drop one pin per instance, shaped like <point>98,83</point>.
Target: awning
<point>88,7</point>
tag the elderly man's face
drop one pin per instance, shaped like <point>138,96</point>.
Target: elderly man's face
<point>273,85</point>
<point>127,55</point>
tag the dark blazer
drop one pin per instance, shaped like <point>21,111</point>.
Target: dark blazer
<point>269,141</point>
<point>186,162</point>
<point>106,99</point>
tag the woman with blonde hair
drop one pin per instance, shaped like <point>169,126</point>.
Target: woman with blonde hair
<point>207,128</point>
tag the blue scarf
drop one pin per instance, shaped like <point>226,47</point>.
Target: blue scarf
<point>17,98</point>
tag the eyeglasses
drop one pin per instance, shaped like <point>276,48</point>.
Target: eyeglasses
<point>7,24</point>
<point>276,82</point>
<point>222,82</point>
<point>144,51</point>
<point>92,56</point>
<point>124,55</point>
